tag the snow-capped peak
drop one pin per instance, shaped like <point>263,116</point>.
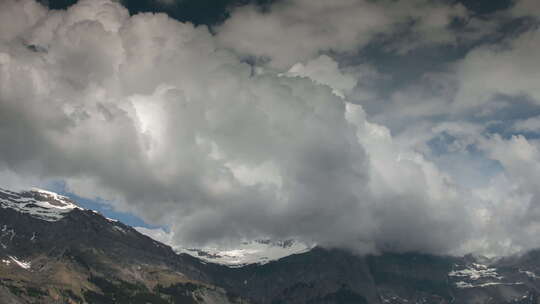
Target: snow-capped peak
<point>47,193</point>
<point>54,199</point>
<point>248,252</point>
<point>38,203</point>
<point>235,254</point>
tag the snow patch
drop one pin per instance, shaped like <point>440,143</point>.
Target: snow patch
<point>38,203</point>
<point>248,252</point>
<point>47,192</point>
<point>477,275</point>
<point>6,236</point>
<point>118,228</point>
<point>260,251</point>
<point>530,274</point>
<point>392,299</point>
<point>22,264</point>
<point>475,272</point>
<point>462,284</point>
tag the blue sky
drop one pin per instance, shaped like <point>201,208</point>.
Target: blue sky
<point>102,207</point>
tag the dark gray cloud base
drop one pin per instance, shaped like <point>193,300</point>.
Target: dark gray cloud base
<point>166,120</point>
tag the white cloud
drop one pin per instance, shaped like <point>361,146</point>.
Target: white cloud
<point>325,70</point>
<point>298,30</point>
<point>510,69</point>
<point>527,125</point>
<point>17,17</point>
<point>162,119</point>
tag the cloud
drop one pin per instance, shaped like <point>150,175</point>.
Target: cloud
<point>526,8</point>
<point>325,70</point>
<point>528,125</point>
<point>509,204</point>
<point>485,72</point>
<point>157,234</point>
<point>306,27</point>
<point>18,17</point>
<point>164,119</point>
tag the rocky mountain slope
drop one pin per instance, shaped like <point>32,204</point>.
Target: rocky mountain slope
<point>52,251</point>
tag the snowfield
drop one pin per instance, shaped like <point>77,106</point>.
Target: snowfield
<point>248,252</point>
<point>38,203</point>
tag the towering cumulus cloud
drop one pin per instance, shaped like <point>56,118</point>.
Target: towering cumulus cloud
<point>168,121</point>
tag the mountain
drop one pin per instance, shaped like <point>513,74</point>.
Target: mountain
<point>53,251</point>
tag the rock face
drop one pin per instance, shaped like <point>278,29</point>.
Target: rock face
<point>52,251</point>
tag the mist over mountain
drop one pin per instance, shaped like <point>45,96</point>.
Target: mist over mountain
<point>53,251</point>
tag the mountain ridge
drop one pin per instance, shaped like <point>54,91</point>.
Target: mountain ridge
<point>83,257</point>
